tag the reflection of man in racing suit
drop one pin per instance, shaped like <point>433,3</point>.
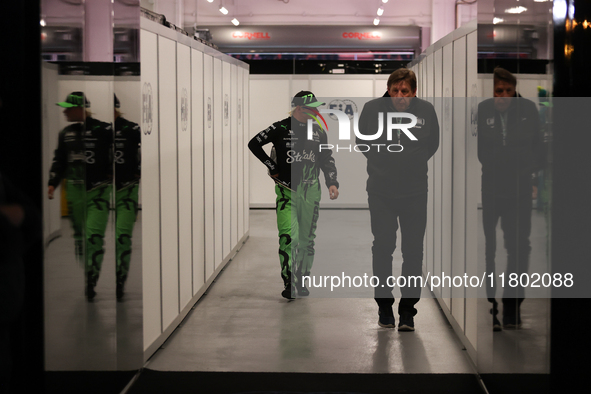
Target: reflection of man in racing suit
<point>84,157</point>
<point>296,171</point>
<point>127,178</point>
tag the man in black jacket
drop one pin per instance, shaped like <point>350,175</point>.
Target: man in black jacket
<point>295,166</point>
<point>397,189</point>
<point>510,151</point>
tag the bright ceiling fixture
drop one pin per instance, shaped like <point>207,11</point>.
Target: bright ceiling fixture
<point>376,21</point>
<point>515,10</point>
<point>380,11</point>
<point>497,20</point>
<point>42,22</point>
<point>384,1</point>
<point>210,1</point>
<point>223,10</point>
<point>235,22</point>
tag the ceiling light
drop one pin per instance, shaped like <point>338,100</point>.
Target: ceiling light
<point>497,20</point>
<point>210,1</point>
<point>384,1</point>
<point>376,21</point>
<point>42,22</point>
<point>515,10</point>
<point>235,22</point>
<point>380,11</point>
<point>223,10</point>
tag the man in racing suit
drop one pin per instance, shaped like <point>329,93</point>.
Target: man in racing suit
<point>84,158</point>
<point>127,178</point>
<point>397,190</point>
<point>295,170</point>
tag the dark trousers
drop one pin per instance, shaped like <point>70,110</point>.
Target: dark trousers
<point>386,214</point>
<point>515,215</point>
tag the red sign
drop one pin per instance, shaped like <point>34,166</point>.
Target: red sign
<point>252,36</point>
<point>362,36</point>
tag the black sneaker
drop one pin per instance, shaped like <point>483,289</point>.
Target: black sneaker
<point>406,322</point>
<point>288,292</point>
<point>119,291</point>
<point>90,293</point>
<point>511,322</point>
<point>496,323</point>
<point>303,290</point>
<point>386,321</point>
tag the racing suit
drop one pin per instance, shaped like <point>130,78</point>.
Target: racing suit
<point>84,157</point>
<point>127,178</point>
<point>298,163</point>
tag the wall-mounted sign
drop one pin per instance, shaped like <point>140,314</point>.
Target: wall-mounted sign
<point>290,38</point>
<point>184,109</point>
<point>209,112</point>
<point>147,108</point>
<point>258,35</point>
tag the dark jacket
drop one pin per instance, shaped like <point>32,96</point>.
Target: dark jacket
<point>399,174</point>
<point>507,166</point>
<point>84,153</point>
<point>127,153</point>
<point>297,158</point>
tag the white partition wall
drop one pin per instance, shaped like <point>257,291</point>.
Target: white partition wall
<point>169,183</point>
<point>208,194</point>
<point>218,161</point>
<point>448,69</point>
<point>446,149</point>
<point>459,178</point>
<point>185,214</point>
<point>234,154</point>
<point>197,165</point>
<point>226,159</point>
<point>152,300</point>
<point>190,173</point>
<point>240,151</point>
<point>246,136</point>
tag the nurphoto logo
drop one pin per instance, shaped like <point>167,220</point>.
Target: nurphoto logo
<point>394,121</point>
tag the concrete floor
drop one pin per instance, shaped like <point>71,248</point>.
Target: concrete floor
<point>244,325</point>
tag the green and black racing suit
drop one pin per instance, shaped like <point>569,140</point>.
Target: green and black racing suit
<point>298,162</point>
<point>127,178</point>
<point>84,158</point>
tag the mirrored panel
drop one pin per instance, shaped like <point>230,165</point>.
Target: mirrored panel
<point>79,267</point>
<point>514,156</point>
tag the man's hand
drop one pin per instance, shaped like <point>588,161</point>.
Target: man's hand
<point>50,191</point>
<point>333,192</point>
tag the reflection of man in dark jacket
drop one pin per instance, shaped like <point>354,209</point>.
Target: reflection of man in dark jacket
<point>509,149</point>
<point>84,157</point>
<point>397,190</point>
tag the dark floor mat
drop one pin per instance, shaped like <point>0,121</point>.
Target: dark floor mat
<point>150,381</point>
